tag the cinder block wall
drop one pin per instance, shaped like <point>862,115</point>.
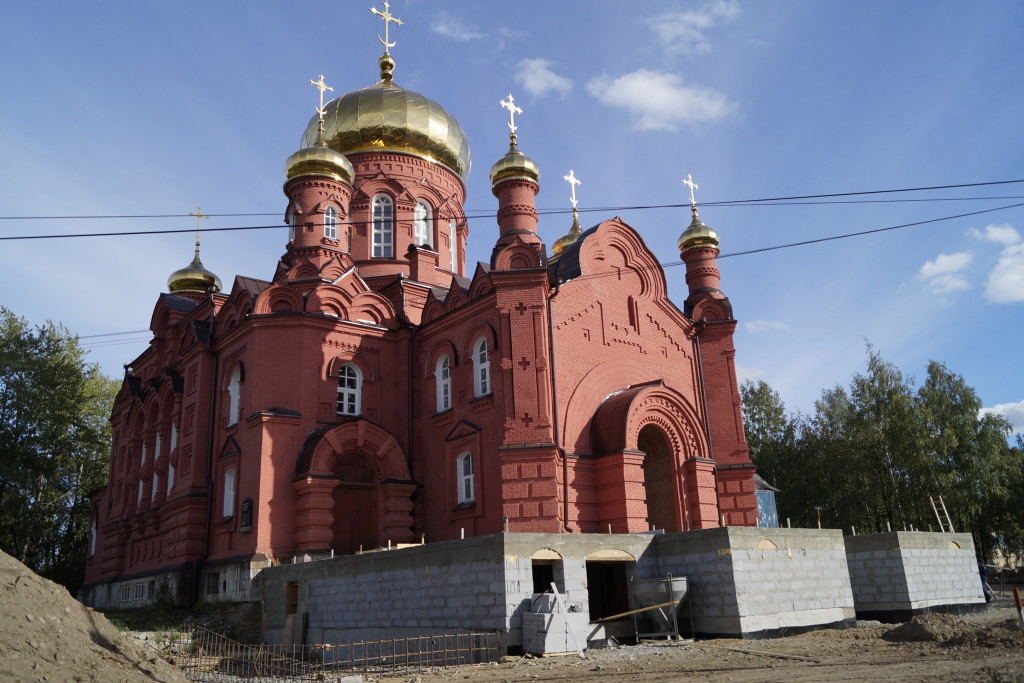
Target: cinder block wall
<point>897,574</point>
<point>749,582</point>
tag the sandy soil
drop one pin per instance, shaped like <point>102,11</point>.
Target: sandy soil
<point>987,646</point>
<point>47,635</point>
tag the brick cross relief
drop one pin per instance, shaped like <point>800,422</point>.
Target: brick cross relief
<point>521,307</point>
<point>523,364</point>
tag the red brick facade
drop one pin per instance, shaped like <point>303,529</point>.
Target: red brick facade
<point>534,394</point>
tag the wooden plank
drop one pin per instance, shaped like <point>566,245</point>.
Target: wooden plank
<point>636,611</point>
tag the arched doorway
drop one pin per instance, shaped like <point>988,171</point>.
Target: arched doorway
<point>659,478</point>
<point>354,513</point>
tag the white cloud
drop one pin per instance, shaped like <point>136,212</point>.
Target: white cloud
<point>1014,412</point>
<point>743,374</point>
<point>537,77</point>
<point>943,274</point>
<point>1000,234</point>
<point>660,101</point>
<point>687,31</point>
<point>453,28</point>
<point>1006,281</point>
<point>756,326</point>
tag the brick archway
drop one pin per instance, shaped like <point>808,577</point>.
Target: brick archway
<point>356,469</point>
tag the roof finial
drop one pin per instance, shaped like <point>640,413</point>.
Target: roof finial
<point>388,19</point>
<point>322,87</point>
<point>510,104</point>
<point>198,213</point>
<point>693,186</point>
<point>573,182</point>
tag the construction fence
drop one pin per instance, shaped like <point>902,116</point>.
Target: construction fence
<point>210,657</point>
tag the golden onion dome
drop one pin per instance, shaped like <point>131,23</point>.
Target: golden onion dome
<point>193,278</point>
<point>697,234</point>
<point>569,238</point>
<point>386,117</point>
<point>319,160</point>
<point>514,164</point>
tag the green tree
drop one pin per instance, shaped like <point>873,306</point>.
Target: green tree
<point>54,441</point>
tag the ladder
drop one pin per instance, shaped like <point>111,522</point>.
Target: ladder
<point>942,514</point>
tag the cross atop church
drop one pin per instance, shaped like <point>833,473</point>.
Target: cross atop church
<point>573,182</point>
<point>510,104</point>
<point>198,213</point>
<point>322,87</point>
<point>388,19</point>
<point>693,186</point>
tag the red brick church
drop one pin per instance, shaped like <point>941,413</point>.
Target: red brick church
<point>376,389</point>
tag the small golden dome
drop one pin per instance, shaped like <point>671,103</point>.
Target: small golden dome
<point>319,160</point>
<point>193,278</point>
<point>514,164</point>
<point>386,117</point>
<point>569,238</point>
<point>697,234</point>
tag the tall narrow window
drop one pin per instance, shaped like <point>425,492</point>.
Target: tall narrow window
<point>139,499</point>
<point>349,385</point>
<point>443,378</point>
<point>229,493</point>
<point>453,243</point>
<point>464,477</point>
<point>422,223</point>
<point>158,449</point>
<point>481,368</point>
<point>293,221</point>
<point>331,223</point>
<point>145,449</point>
<point>234,391</point>
<point>174,436</point>
<point>156,486</point>
<point>170,478</point>
<point>92,537</point>
<point>383,226</point>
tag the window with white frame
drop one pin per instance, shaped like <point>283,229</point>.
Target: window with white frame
<point>140,591</point>
<point>452,243</point>
<point>481,368</point>
<point>124,593</point>
<point>234,392</point>
<point>422,223</point>
<point>464,477</point>
<point>229,493</point>
<point>383,226</point>
<point>443,379</point>
<point>331,223</point>
<point>350,381</point>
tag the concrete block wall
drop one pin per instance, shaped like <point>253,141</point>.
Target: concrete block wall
<point>897,574</point>
<point>749,582</point>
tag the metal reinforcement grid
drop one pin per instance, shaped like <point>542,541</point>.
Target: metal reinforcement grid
<point>207,656</point>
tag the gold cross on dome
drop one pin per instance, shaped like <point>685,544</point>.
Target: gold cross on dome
<point>322,87</point>
<point>573,182</point>
<point>388,19</point>
<point>510,104</point>
<point>693,186</point>
<point>198,213</point>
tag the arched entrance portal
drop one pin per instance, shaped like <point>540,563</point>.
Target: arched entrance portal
<point>354,514</point>
<point>659,478</point>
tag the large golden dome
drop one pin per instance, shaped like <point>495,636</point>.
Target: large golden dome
<point>387,117</point>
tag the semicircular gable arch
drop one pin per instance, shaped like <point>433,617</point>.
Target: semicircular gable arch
<point>279,299</point>
<point>481,329</point>
<point>440,347</point>
<point>615,242</point>
<point>325,445</point>
<point>365,364</point>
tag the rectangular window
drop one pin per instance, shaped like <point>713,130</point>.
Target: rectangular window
<point>125,593</point>
<point>229,493</point>
<point>140,591</point>
<point>156,486</point>
<point>170,478</point>
<point>453,247</point>
<point>465,478</point>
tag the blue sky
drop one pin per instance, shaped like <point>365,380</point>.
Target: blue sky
<point>151,108</point>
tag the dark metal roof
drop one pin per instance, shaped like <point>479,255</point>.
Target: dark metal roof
<point>566,266</point>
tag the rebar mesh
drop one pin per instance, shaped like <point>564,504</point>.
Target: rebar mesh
<point>207,656</point>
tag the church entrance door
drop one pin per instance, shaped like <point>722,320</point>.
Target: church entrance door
<point>355,525</point>
<point>658,479</point>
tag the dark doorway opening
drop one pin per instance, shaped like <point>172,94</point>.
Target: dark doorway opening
<point>608,588</point>
<point>355,505</point>
<point>658,479</point>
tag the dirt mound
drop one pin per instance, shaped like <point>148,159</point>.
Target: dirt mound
<point>1006,633</point>
<point>927,628</point>
<point>47,635</point>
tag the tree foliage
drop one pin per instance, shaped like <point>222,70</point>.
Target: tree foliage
<point>873,454</point>
<point>54,446</point>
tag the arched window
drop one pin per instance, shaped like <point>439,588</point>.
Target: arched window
<point>331,223</point>
<point>423,219</point>
<point>350,381</point>
<point>234,392</point>
<point>293,220</point>
<point>464,477</point>
<point>229,493</point>
<point>383,226</point>
<point>481,368</point>
<point>443,378</point>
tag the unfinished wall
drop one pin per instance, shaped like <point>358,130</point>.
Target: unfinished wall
<point>901,573</point>
<point>750,582</point>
